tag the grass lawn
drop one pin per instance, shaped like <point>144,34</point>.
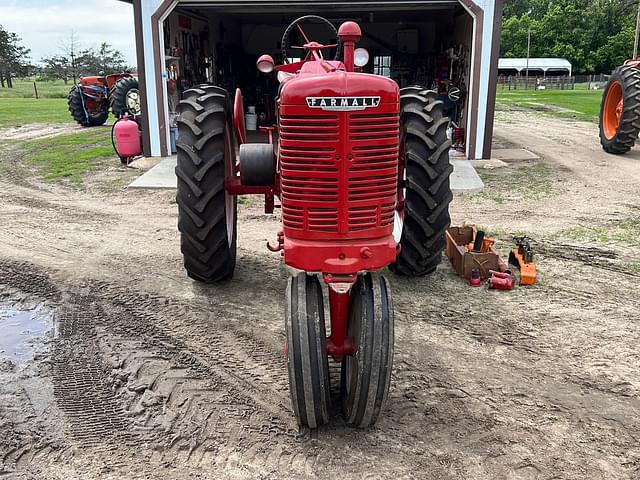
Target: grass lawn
<point>68,156</point>
<point>21,111</point>
<point>63,157</point>
<point>23,88</point>
<point>579,104</point>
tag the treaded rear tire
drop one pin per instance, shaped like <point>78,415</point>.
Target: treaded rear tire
<point>118,96</point>
<point>627,133</point>
<point>307,361</point>
<point>366,375</point>
<point>74,101</point>
<point>427,170</point>
<point>206,215</point>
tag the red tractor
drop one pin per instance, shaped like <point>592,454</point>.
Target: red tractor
<point>361,169</point>
<point>89,102</point>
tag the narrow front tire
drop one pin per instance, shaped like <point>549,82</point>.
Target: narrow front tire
<point>366,375</point>
<point>307,361</point>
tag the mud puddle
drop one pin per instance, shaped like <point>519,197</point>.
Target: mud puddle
<point>20,329</point>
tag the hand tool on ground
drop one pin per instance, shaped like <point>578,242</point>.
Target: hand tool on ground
<point>502,280</point>
<point>522,257</point>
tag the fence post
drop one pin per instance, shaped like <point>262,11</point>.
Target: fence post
<point>35,89</point>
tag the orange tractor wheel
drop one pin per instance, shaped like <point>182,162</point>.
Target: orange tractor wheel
<point>620,110</point>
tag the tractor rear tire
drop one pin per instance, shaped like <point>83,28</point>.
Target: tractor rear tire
<point>366,375</point>
<point>307,360</point>
<point>206,213</point>
<point>80,115</point>
<point>619,130</point>
<point>427,170</point>
<point>125,97</point>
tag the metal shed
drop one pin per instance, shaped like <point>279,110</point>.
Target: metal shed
<point>543,65</point>
<point>438,43</point>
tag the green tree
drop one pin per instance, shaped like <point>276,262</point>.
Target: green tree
<point>73,62</point>
<point>594,35</point>
<point>57,67</point>
<point>105,59</point>
<point>14,57</point>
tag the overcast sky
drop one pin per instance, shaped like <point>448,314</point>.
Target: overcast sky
<point>43,24</point>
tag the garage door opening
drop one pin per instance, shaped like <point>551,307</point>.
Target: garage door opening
<point>219,43</point>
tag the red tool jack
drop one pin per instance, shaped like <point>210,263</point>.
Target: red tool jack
<point>502,280</point>
<point>475,280</point>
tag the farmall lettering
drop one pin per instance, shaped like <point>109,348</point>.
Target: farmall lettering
<point>343,104</point>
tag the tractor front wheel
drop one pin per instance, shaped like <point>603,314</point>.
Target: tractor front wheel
<point>306,351</point>
<point>206,212</point>
<point>366,375</point>
<point>82,113</point>
<point>424,217</point>
<point>620,110</point>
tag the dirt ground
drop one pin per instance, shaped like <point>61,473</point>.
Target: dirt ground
<point>149,375</point>
<point>37,130</point>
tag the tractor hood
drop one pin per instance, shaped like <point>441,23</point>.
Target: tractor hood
<point>339,91</point>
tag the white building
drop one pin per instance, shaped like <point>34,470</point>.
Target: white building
<point>548,66</point>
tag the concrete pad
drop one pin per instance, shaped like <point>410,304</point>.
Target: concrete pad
<point>464,177</point>
<point>161,176</point>
<point>513,154</point>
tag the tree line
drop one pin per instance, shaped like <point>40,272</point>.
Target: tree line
<point>596,36</point>
<point>70,63</point>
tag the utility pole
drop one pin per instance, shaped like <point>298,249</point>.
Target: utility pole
<point>529,43</point>
<point>528,51</point>
<point>635,43</point>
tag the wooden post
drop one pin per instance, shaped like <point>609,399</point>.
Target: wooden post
<point>35,89</point>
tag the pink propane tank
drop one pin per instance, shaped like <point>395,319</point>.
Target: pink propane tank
<point>127,138</point>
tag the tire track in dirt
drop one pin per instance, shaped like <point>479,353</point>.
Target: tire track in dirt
<point>213,395</point>
<point>81,378</point>
<point>29,278</point>
<point>196,407</point>
<point>29,436</point>
<point>194,395</point>
<point>56,210</point>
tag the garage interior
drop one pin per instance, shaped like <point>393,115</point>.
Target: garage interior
<point>219,43</point>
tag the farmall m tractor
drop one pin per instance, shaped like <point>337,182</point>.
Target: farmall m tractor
<point>90,100</point>
<point>361,169</point>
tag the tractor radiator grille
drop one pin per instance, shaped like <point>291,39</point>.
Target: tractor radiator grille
<point>308,172</point>
<point>333,185</point>
<point>373,170</point>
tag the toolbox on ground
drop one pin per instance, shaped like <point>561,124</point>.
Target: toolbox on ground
<point>460,252</point>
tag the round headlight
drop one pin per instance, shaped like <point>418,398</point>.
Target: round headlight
<point>265,64</point>
<point>360,57</point>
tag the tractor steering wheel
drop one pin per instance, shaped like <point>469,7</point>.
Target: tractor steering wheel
<point>296,24</point>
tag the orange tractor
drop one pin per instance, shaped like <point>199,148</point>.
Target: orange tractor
<point>620,109</point>
<point>90,100</point>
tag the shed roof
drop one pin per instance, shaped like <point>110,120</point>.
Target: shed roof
<point>534,63</point>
